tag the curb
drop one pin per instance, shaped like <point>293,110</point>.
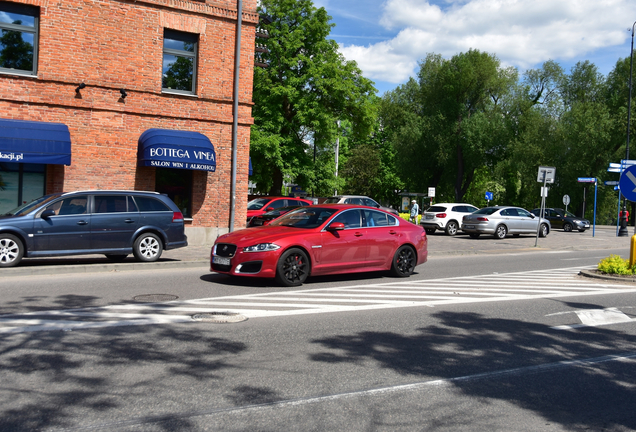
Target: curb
<point>100,268</point>
<point>590,274</point>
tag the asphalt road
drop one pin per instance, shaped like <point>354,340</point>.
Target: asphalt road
<point>488,335</point>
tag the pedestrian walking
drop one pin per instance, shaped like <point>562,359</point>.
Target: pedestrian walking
<point>415,209</point>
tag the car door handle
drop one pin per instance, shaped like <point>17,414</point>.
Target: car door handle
<point>82,222</point>
<point>358,234</point>
<point>129,221</point>
<point>393,232</point>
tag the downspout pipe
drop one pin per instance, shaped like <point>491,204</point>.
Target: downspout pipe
<point>237,64</point>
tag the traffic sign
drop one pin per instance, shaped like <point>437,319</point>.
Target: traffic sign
<point>546,174</point>
<point>610,183</point>
<point>627,183</point>
<point>566,199</point>
<point>488,196</point>
<point>587,179</point>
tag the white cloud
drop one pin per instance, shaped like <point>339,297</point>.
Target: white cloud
<point>521,33</point>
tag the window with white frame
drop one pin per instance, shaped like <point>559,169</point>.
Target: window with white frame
<point>18,38</point>
<point>179,62</point>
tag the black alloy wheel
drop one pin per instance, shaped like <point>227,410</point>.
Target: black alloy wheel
<point>292,268</point>
<point>543,230</point>
<point>567,227</point>
<point>403,262</point>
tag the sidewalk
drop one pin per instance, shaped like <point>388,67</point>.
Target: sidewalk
<point>439,244</point>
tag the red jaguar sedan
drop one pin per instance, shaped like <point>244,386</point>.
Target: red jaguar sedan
<point>321,240</point>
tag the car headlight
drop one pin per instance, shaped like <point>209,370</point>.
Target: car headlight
<point>262,247</point>
<point>576,221</point>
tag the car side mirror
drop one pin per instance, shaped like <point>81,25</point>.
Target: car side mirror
<point>47,214</point>
<point>336,226</point>
<point>532,215</point>
<point>269,209</point>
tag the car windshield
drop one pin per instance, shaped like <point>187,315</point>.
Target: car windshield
<point>570,214</point>
<point>332,200</point>
<point>305,217</point>
<point>487,210</point>
<point>26,208</point>
<point>258,203</point>
<point>280,211</point>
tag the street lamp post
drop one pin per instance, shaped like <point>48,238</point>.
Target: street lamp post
<point>623,230</point>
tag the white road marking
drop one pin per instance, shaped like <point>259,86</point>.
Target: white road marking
<point>371,296</point>
<point>597,317</point>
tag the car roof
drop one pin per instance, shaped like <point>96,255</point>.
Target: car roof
<point>447,204</point>
<point>108,191</point>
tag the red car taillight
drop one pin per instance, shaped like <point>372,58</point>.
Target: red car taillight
<point>177,216</point>
<point>482,219</point>
<point>441,215</point>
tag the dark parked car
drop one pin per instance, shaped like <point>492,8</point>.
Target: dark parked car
<point>113,223</point>
<point>560,218</point>
<point>359,200</point>
<point>261,205</point>
<point>266,218</point>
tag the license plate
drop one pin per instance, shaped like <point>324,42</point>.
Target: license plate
<point>469,226</point>
<point>587,225</point>
<point>220,260</point>
<point>429,216</point>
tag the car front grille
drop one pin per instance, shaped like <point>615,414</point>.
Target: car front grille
<point>225,250</point>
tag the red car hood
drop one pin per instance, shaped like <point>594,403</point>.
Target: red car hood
<point>265,234</point>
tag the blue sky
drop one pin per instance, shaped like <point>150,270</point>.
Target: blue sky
<point>387,38</point>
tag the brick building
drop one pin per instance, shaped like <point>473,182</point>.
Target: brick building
<point>127,94</point>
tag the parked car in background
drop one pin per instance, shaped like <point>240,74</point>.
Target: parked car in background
<point>320,240</point>
<point>359,200</point>
<point>269,216</point>
<point>564,219</point>
<point>258,206</point>
<point>113,223</point>
<point>503,220</point>
<point>446,217</point>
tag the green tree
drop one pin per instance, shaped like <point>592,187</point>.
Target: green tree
<point>450,122</point>
<point>15,53</point>
<point>298,99</point>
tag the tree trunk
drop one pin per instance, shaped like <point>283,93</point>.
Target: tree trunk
<point>277,186</point>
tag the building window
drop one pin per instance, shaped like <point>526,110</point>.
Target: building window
<point>20,184</point>
<point>179,62</point>
<point>177,184</point>
<point>18,38</point>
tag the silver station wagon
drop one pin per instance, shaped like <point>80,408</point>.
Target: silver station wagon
<point>113,223</point>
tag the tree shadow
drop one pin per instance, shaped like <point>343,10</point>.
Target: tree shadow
<point>51,378</point>
<point>469,344</point>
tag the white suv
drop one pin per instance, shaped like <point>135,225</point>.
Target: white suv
<point>445,216</point>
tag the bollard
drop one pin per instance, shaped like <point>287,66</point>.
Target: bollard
<point>632,251</point>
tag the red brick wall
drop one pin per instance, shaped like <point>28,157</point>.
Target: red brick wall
<point>109,45</point>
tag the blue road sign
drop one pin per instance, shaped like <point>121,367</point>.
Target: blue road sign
<point>587,180</point>
<point>611,183</point>
<point>627,183</point>
<point>488,196</point>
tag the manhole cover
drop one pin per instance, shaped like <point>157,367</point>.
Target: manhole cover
<point>219,317</point>
<point>153,298</point>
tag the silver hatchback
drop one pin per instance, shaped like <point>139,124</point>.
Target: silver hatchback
<point>500,221</point>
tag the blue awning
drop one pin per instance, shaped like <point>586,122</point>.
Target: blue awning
<point>34,142</point>
<point>164,148</point>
